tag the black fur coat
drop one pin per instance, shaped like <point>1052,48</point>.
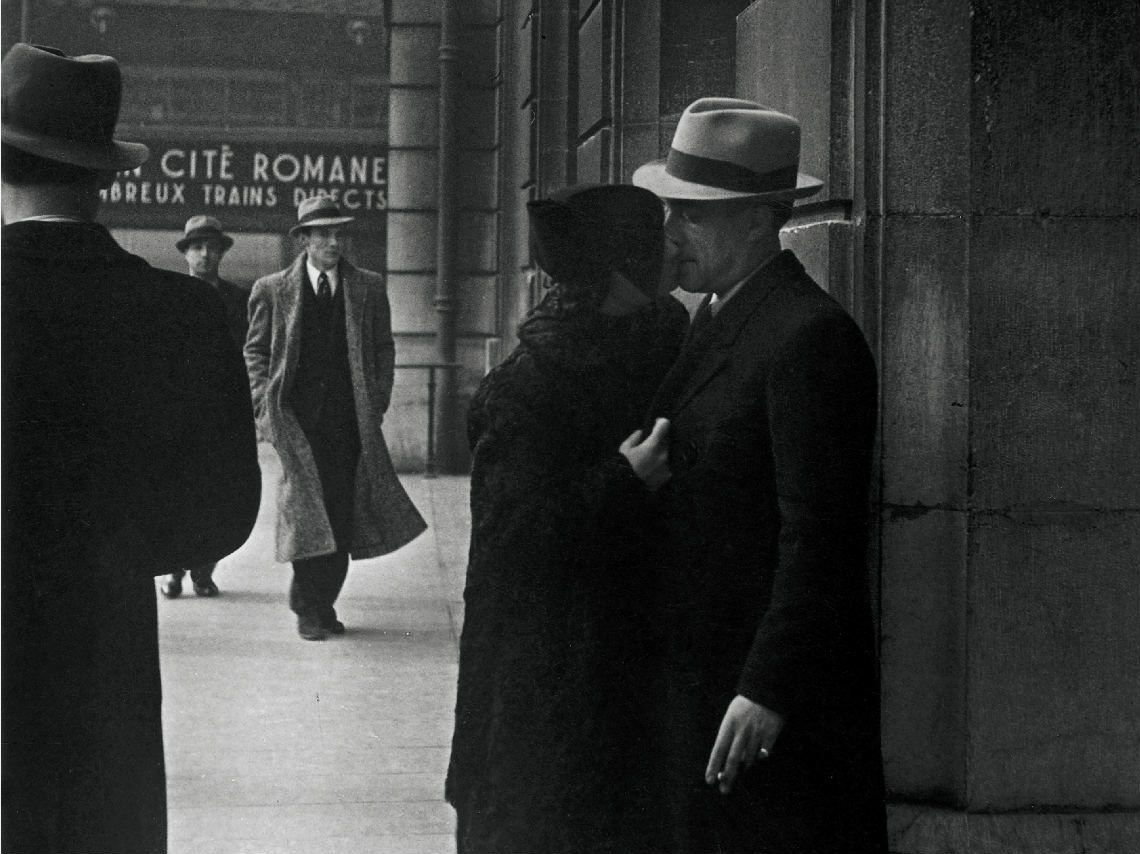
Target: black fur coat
<point>555,683</point>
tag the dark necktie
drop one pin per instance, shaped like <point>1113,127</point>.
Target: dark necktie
<point>700,323</point>
<point>324,292</point>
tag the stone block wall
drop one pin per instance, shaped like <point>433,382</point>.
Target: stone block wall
<point>1002,226</point>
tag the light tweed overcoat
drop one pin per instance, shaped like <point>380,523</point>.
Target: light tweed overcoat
<point>384,518</point>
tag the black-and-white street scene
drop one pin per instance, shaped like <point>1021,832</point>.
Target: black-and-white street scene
<point>570,427</point>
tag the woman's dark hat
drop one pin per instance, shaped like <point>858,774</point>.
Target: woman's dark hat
<point>65,108</point>
<point>204,228</point>
<point>583,232</point>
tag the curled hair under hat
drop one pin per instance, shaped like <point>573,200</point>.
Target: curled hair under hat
<point>578,235</point>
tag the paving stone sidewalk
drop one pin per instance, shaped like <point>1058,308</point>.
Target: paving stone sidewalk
<point>275,744</point>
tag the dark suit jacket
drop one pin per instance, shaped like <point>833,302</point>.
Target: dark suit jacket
<point>773,410</point>
<point>129,449</point>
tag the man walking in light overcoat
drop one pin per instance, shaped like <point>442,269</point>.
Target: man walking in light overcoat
<point>320,358</point>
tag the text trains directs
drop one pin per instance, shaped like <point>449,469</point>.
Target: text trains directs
<point>238,195</point>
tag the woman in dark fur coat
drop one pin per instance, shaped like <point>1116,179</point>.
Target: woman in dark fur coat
<point>549,753</point>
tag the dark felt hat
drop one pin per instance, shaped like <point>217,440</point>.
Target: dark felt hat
<point>583,232</point>
<point>204,228</point>
<point>64,108</point>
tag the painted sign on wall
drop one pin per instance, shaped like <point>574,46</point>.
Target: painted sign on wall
<point>251,184</point>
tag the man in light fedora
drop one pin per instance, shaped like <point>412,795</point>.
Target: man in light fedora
<point>129,448</point>
<point>320,358</point>
<point>203,244</point>
<point>771,732</point>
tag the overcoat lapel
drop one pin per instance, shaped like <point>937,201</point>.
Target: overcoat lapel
<point>355,311</point>
<point>289,299</point>
<point>709,350</point>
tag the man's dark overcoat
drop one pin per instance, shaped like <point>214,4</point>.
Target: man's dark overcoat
<point>384,518</point>
<point>235,298</point>
<point>555,672</point>
<point>128,449</point>
<point>773,410</point>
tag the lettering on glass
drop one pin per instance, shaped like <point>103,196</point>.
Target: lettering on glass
<point>265,183</point>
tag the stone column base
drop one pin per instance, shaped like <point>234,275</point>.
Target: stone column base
<point>931,830</point>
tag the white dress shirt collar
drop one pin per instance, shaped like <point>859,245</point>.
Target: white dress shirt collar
<point>315,274</point>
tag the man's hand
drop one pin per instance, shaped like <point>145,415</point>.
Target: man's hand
<point>747,732</point>
<point>649,459</point>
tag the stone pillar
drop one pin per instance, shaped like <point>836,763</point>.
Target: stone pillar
<point>1006,250</point>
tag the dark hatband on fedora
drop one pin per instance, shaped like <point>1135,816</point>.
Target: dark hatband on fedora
<point>728,176</point>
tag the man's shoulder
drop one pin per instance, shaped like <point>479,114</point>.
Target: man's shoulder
<point>365,276</point>
<point>273,281</point>
<point>165,280</point>
<point>165,294</point>
<point>228,287</point>
<point>795,297</point>
<point>795,314</point>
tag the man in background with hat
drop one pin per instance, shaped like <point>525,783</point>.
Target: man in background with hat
<point>320,357</point>
<point>203,244</point>
<point>771,722</point>
<point>129,448</point>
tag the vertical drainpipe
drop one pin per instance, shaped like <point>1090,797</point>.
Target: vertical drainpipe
<point>447,405</point>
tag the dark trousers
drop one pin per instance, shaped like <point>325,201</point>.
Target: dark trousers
<point>198,574</point>
<point>317,581</point>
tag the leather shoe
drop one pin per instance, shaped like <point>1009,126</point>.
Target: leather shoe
<point>206,587</point>
<point>311,630</point>
<point>334,626</point>
<point>172,587</point>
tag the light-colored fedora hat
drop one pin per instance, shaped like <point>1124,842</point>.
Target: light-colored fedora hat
<point>204,228</point>
<point>727,148</point>
<point>318,210</point>
<point>64,108</point>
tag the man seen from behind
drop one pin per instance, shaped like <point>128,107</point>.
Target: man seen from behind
<point>129,448</point>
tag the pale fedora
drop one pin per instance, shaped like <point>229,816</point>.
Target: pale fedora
<point>204,228</point>
<point>318,210</point>
<point>728,148</point>
<point>64,108</point>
